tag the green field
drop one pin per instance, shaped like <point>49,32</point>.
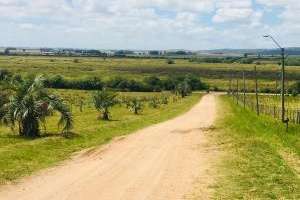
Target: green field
<point>20,156</point>
<point>215,74</point>
<point>261,159</point>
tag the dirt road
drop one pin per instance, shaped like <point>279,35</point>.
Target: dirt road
<point>168,161</point>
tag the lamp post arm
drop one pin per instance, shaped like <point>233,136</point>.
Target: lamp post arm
<point>276,42</point>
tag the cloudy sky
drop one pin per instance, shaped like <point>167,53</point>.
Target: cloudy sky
<point>149,24</point>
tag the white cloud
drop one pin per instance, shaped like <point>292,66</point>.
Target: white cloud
<point>235,11</point>
<point>144,23</point>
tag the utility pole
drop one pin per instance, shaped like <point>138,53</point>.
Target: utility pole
<point>283,119</point>
<point>282,85</point>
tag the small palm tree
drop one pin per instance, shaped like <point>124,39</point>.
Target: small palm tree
<point>165,100</point>
<point>135,105</point>
<point>183,89</point>
<point>154,102</point>
<point>28,106</point>
<point>103,101</point>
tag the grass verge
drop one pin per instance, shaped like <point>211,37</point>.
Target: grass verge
<point>257,163</point>
<point>20,157</point>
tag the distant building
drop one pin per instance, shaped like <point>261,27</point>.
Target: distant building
<point>2,50</point>
<point>22,51</point>
<point>48,52</point>
<point>32,51</point>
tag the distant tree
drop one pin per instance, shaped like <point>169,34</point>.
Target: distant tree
<point>103,101</point>
<point>183,89</point>
<point>153,83</point>
<point>6,51</point>
<point>154,53</point>
<point>30,104</point>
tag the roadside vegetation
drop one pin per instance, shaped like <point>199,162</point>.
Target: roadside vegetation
<point>30,138</point>
<point>261,159</point>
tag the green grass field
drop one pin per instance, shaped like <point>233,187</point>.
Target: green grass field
<point>20,157</point>
<point>261,159</point>
<point>215,74</point>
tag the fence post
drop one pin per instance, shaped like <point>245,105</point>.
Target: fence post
<point>256,91</point>
<point>81,105</point>
<point>230,85</point>
<point>244,89</point>
<point>237,91</point>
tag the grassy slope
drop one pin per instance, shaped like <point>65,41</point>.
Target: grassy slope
<point>256,164</point>
<point>20,157</point>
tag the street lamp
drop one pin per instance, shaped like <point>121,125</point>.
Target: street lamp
<point>282,77</point>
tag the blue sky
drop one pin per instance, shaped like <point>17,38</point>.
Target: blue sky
<point>149,24</point>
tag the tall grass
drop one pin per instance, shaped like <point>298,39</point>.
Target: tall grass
<point>258,162</point>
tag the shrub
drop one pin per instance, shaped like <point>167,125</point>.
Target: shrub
<point>170,61</point>
<point>296,88</point>
<point>5,74</point>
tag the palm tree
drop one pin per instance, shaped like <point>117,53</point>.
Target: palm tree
<point>30,104</point>
<point>135,105</point>
<point>103,101</point>
<point>183,89</point>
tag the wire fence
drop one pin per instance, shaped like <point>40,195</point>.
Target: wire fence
<point>275,111</point>
<point>265,104</point>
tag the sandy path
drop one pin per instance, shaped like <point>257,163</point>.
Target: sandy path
<point>161,162</point>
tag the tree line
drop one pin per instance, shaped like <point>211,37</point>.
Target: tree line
<point>118,83</point>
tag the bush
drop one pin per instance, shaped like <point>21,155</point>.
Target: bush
<point>170,61</point>
<point>5,74</point>
<point>296,88</point>
<point>58,81</point>
<point>295,93</point>
<point>153,84</point>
